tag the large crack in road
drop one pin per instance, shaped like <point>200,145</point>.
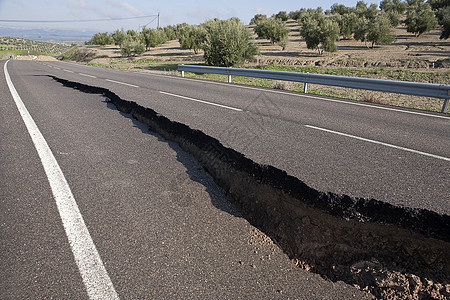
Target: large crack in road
<point>387,250</point>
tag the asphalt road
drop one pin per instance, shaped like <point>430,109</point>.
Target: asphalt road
<point>161,226</point>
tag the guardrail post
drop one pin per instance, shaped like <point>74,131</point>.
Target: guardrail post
<point>182,73</point>
<point>305,86</point>
<point>229,77</point>
<point>444,107</point>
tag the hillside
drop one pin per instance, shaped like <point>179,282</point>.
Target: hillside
<point>17,46</point>
<point>409,58</point>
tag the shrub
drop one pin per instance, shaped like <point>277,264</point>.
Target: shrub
<point>227,43</point>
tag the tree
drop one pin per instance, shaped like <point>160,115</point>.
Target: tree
<point>341,9</point>
<point>393,6</point>
<point>320,33</point>
<point>118,36</point>
<point>258,18</point>
<point>420,18</point>
<point>170,32</point>
<point>347,23</point>
<point>101,39</point>
<point>227,43</point>
<point>442,12</point>
<point>361,30</point>
<point>380,31</point>
<point>274,30</point>
<point>153,37</point>
<point>295,15</point>
<point>192,38</point>
<point>133,43</point>
<point>367,12</point>
<point>282,15</point>
<point>377,31</point>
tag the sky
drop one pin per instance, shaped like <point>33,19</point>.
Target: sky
<point>171,12</point>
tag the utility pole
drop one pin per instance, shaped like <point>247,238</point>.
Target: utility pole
<point>158,20</point>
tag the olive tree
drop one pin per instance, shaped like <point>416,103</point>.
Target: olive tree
<point>101,39</point>
<point>442,12</point>
<point>192,37</point>
<point>227,43</point>
<point>419,17</point>
<point>320,33</point>
<point>274,30</point>
<point>118,36</point>
<point>377,31</point>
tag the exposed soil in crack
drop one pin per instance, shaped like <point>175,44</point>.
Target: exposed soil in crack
<point>389,251</point>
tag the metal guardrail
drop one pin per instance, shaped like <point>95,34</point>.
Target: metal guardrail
<point>401,87</point>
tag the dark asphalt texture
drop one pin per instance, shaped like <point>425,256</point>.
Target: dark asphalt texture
<point>161,225</point>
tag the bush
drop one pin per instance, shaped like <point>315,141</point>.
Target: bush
<point>274,30</point>
<point>227,43</point>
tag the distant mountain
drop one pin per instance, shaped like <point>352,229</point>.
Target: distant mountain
<point>49,35</point>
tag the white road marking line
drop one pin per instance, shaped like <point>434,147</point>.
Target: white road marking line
<point>68,71</point>
<point>201,101</point>
<point>57,68</point>
<point>90,265</point>
<point>118,82</point>
<point>302,95</point>
<point>87,75</point>
<point>379,143</point>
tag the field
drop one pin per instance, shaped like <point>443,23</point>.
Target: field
<point>16,46</point>
<point>422,59</point>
